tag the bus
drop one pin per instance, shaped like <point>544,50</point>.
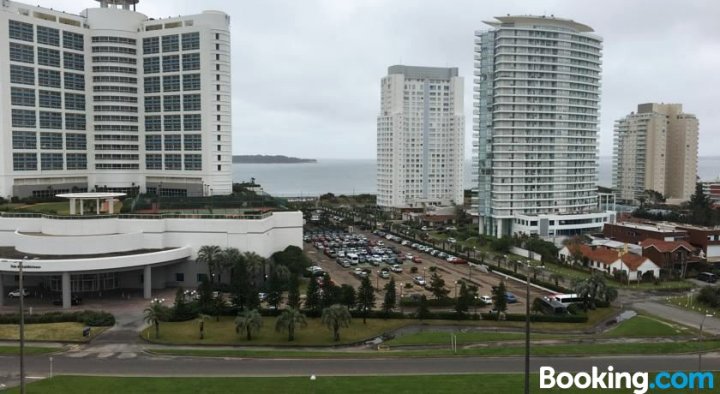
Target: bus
<point>567,299</point>
<point>552,307</point>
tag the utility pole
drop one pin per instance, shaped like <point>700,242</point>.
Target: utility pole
<point>22,325</point>
<point>527,331</point>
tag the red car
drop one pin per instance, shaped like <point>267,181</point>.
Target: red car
<point>417,260</point>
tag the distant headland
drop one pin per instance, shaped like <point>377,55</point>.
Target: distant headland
<point>269,159</point>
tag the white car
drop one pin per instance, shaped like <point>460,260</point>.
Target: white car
<point>396,268</point>
<point>419,280</point>
<point>16,293</point>
<point>486,299</point>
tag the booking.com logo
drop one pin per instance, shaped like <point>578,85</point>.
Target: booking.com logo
<point>640,382</point>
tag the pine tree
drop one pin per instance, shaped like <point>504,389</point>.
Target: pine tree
<point>499,300</point>
<point>365,297</point>
<point>390,297</point>
<point>464,300</point>
<point>437,286</point>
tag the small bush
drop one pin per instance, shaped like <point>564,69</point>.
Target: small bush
<point>89,318</point>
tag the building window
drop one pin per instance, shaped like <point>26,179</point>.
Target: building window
<point>73,61</point>
<point>49,78</point>
<point>152,104</point>
<point>179,277</point>
<point>22,53</point>
<point>115,40</point>
<point>22,96</point>
<point>20,31</point>
<point>191,82</point>
<point>171,103</point>
<point>192,122</point>
<point>152,84</point>
<point>75,101</point>
<point>201,278</point>
<point>191,61</point>
<point>48,57</point>
<point>153,142</point>
<point>172,142</point>
<point>171,83</point>
<point>153,162</point>
<point>172,123</point>
<point>173,162</point>
<point>22,74</point>
<point>75,121</point>
<point>153,123</point>
<point>192,142</point>
<point>151,45</point>
<point>73,41</point>
<point>151,65</point>
<point>191,102</point>
<point>170,43</point>
<point>190,41</point>
<point>51,161</point>
<point>48,36</point>
<point>52,141</point>
<point>50,120</point>
<point>23,118</point>
<point>193,162</point>
<point>171,63</point>
<point>24,161</point>
<point>109,49</point>
<point>24,140</point>
<point>74,141</point>
<point>50,99</point>
<point>76,161</point>
<point>74,81</point>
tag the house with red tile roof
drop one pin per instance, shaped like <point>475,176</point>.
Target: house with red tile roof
<point>670,255</point>
<point>609,260</point>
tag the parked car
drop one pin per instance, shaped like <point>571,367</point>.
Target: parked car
<point>74,300</point>
<point>417,260</point>
<point>16,293</point>
<point>396,268</point>
<point>486,299</point>
<point>452,240</point>
<point>510,298</point>
<point>419,280</point>
<point>384,274</point>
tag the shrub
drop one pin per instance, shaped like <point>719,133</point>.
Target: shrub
<point>539,318</point>
<point>89,318</point>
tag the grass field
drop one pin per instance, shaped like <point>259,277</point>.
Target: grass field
<point>62,332</point>
<point>691,304</point>
<point>10,350</point>
<point>223,332</point>
<point>517,350</point>
<point>436,338</point>
<point>437,384</point>
<point>644,326</point>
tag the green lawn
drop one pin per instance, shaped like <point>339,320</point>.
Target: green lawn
<point>223,332</point>
<point>439,338</point>
<point>10,350</point>
<point>406,384</point>
<point>62,332</point>
<point>644,326</point>
<point>516,350</point>
<point>691,304</point>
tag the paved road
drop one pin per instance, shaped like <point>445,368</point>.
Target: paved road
<point>197,366</point>
<point>688,318</point>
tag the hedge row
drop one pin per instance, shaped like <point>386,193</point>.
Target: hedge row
<point>539,318</point>
<point>89,318</point>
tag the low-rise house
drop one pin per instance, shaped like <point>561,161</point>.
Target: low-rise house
<point>670,255</point>
<point>609,260</point>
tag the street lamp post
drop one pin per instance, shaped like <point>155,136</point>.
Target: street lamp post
<point>456,283</point>
<point>402,309</point>
<point>22,325</point>
<point>527,332</point>
<point>700,346</point>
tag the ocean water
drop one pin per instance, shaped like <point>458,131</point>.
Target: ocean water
<point>340,176</point>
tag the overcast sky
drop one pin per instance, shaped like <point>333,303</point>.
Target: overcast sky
<point>306,74</point>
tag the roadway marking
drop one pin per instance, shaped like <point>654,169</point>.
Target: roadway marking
<point>127,355</point>
<point>78,354</point>
<point>105,355</point>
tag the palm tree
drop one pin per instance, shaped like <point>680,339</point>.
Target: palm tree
<point>483,256</point>
<point>153,314</point>
<point>201,320</point>
<point>255,263</point>
<point>498,260</point>
<point>211,255</point>
<point>334,317</point>
<point>288,320</point>
<point>594,288</point>
<point>249,321</point>
<point>228,259</point>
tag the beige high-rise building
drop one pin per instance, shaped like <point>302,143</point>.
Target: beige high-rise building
<point>656,149</point>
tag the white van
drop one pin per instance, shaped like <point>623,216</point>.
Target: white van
<point>353,257</point>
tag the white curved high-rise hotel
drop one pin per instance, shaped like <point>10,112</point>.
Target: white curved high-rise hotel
<point>112,100</point>
<point>537,96</point>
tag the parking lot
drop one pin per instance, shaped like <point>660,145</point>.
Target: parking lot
<point>375,252</point>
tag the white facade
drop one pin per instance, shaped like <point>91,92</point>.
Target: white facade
<point>536,124</point>
<point>420,137</point>
<point>160,249</point>
<point>112,100</point>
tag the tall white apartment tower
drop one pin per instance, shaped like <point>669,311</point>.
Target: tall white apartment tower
<point>420,137</point>
<point>656,149</point>
<point>537,95</point>
<point>112,100</point>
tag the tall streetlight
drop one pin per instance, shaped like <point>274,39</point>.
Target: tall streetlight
<point>527,330</point>
<point>700,344</point>
<point>22,325</point>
